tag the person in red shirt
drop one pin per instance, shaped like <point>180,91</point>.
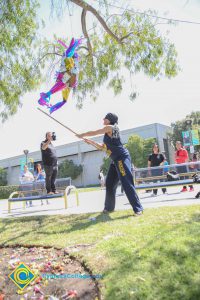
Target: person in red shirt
<point>181,157</point>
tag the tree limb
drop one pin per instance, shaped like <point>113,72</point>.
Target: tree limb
<point>88,7</point>
<point>83,47</point>
<point>83,23</point>
<point>126,36</point>
<point>52,53</point>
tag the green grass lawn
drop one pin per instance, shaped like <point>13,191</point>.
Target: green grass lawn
<point>154,257</point>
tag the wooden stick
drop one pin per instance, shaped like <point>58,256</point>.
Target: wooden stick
<point>63,125</point>
<point>57,121</point>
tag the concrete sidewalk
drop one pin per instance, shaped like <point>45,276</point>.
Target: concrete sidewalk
<point>94,202</point>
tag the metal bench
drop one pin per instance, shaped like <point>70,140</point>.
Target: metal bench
<point>36,191</point>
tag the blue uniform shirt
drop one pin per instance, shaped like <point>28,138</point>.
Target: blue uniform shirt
<point>113,145</point>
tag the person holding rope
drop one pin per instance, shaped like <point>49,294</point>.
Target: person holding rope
<point>120,167</point>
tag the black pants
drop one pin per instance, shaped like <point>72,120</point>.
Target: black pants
<point>121,170</point>
<point>51,173</point>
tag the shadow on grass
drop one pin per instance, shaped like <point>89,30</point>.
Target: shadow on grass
<point>162,269</point>
<point>44,224</point>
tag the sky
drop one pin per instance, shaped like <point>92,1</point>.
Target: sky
<point>164,101</point>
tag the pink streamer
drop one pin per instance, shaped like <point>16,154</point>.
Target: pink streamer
<point>62,43</point>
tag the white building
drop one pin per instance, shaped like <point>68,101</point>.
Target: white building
<point>86,155</point>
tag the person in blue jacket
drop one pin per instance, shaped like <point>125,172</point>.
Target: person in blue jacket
<point>120,167</point>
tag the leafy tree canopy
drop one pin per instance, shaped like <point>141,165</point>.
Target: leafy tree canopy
<point>116,42</point>
<point>19,73</point>
<point>3,177</point>
<point>105,165</point>
<point>140,149</point>
<point>68,169</point>
<point>181,125</point>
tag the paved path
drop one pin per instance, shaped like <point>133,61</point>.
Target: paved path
<point>94,202</point>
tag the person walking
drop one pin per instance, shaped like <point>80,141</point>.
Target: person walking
<point>102,179</point>
<point>50,163</point>
<point>156,159</point>
<point>120,167</point>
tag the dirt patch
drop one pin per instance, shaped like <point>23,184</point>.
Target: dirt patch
<point>52,268</point>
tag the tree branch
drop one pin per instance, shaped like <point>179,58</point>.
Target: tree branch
<point>126,36</point>
<point>53,53</point>
<point>88,7</point>
<point>83,23</point>
<point>83,47</point>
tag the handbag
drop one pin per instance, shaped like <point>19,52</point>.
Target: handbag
<point>173,176</point>
<point>196,178</point>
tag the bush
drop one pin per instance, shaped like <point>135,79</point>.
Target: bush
<point>68,169</point>
<point>106,164</point>
<point>5,191</point>
<point>3,176</point>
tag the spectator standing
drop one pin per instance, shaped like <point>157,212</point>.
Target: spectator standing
<point>50,162</point>
<point>181,157</point>
<point>194,167</point>
<point>156,159</point>
<point>166,168</point>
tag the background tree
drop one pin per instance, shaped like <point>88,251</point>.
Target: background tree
<point>116,42</point>
<point>19,73</point>
<point>139,150</point>
<point>3,177</point>
<point>105,166</point>
<point>181,125</point>
<point>68,169</point>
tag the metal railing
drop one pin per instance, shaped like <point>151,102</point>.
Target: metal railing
<point>155,175</point>
<point>31,188</point>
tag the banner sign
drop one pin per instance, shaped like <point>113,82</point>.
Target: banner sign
<point>186,138</point>
<point>195,137</point>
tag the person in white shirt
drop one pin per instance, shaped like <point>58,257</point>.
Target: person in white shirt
<point>27,177</point>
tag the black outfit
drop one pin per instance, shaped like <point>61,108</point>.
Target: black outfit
<point>156,160</point>
<point>49,159</point>
<point>120,169</point>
